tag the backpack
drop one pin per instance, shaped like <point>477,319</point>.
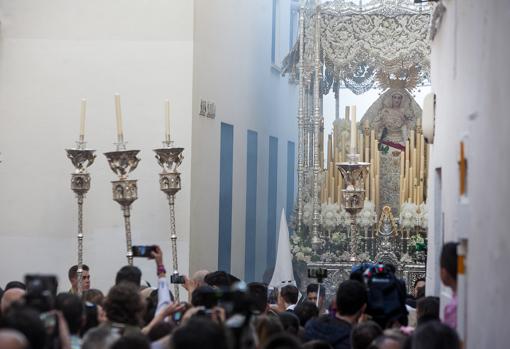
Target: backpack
<point>386,294</point>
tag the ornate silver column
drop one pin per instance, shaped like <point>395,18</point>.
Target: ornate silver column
<point>125,191</point>
<point>353,196</point>
<point>316,129</point>
<point>336,87</point>
<point>170,158</point>
<point>81,158</point>
<point>301,110</point>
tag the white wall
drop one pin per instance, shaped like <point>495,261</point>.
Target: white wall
<point>52,54</point>
<point>470,76</point>
<point>232,67</point>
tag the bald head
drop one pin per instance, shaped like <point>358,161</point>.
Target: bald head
<point>10,296</point>
<point>11,339</point>
<point>199,277</point>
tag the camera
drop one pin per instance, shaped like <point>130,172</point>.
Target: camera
<point>143,251</point>
<point>385,292</point>
<point>320,274</point>
<point>235,299</point>
<point>40,295</point>
<point>41,291</point>
<point>175,278</point>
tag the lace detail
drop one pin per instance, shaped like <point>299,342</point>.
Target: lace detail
<point>360,44</point>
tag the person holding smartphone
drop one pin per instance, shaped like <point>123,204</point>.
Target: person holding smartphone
<point>164,299</point>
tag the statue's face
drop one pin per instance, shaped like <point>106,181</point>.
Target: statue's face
<point>396,100</point>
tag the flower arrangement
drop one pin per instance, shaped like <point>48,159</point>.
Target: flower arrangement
<point>417,243</point>
<point>330,217</point>
<point>334,244</point>
<point>367,217</point>
<point>422,216</point>
<point>299,249</point>
<point>408,215</point>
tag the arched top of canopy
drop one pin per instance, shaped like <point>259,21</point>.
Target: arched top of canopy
<point>368,45</point>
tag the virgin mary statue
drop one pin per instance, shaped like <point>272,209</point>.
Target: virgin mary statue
<point>392,116</point>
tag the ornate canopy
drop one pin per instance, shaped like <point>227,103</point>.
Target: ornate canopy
<point>364,41</point>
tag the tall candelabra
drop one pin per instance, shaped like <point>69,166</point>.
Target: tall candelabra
<point>122,162</point>
<point>81,158</point>
<point>170,158</point>
<point>353,194</point>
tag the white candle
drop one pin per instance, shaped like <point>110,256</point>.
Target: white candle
<point>167,120</point>
<point>83,108</point>
<point>118,115</point>
<point>353,129</point>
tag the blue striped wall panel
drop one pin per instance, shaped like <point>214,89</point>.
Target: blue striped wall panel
<point>251,206</point>
<point>225,208</point>
<point>272,191</point>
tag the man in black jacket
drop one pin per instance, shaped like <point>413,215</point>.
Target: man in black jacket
<point>351,301</point>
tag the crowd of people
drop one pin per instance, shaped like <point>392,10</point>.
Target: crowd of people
<point>371,310</point>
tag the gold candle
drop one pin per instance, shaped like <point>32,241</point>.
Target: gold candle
<point>413,158</point>
<point>406,189</point>
<point>410,184</point>
<point>422,168</point>
<point>417,154</point>
<point>377,158</point>
<point>360,146</point>
<point>342,144</point>
<point>401,190</point>
<point>377,192</point>
<point>402,163</point>
<point>330,148</point>
<point>372,190</point>
<point>411,138</point>
<point>372,143</point>
<point>407,164</point>
<point>372,176</point>
<point>401,183</point>
<point>416,191</point>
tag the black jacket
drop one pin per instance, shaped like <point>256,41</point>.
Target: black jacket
<point>330,329</point>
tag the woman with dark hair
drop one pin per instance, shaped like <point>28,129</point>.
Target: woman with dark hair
<point>124,309</point>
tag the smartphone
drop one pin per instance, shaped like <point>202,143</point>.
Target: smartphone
<point>176,279</point>
<point>177,317</point>
<point>143,251</point>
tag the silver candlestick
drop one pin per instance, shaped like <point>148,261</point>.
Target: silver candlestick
<point>81,158</point>
<point>122,162</point>
<point>170,158</point>
<point>353,196</point>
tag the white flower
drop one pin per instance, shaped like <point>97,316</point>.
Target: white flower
<point>367,217</point>
<point>422,216</point>
<point>345,218</point>
<point>408,215</point>
<point>336,238</point>
<point>406,259</point>
<point>308,214</point>
<point>300,256</point>
<point>330,216</point>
